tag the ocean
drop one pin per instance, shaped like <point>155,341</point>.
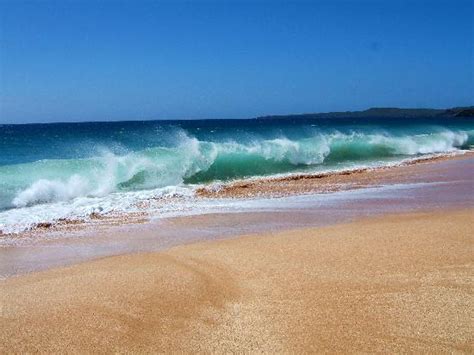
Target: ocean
<point>71,170</point>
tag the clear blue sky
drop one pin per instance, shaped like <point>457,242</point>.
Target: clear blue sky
<point>118,60</point>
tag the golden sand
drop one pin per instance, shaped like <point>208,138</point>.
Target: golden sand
<point>395,283</point>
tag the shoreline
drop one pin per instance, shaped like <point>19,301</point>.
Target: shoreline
<point>292,184</point>
<point>438,185</point>
<point>389,283</point>
<point>326,181</point>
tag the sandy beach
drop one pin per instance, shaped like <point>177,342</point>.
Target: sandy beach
<point>215,177</point>
<point>394,283</point>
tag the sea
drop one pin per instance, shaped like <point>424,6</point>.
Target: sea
<point>57,171</point>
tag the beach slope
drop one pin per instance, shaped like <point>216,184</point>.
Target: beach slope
<point>393,283</point>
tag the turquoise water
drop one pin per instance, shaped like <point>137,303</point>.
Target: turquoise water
<point>45,164</point>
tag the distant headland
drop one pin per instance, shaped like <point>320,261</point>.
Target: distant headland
<point>388,112</point>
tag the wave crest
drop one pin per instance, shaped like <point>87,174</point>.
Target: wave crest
<point>193,161</point>
<point>43,191</point>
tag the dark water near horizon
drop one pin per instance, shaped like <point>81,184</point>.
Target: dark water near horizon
<point>86,163</point>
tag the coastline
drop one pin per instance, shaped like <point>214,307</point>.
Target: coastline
<point>441,184</point>
<point>329,181</point>
<point>388,283</point>
<point>286,185</point>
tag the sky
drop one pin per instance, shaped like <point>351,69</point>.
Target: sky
<point>127,60</point>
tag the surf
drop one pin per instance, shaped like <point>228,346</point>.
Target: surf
<point>91,169</point>
<point>194,162</point>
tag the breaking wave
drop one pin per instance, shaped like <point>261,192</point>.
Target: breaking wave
<point>193,161</point>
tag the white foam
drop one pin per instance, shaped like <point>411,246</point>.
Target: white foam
<point>43,191</point>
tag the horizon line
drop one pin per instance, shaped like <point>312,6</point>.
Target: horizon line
<point>242,118</point>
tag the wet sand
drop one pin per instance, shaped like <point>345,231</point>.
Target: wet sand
<point>383,284</point>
